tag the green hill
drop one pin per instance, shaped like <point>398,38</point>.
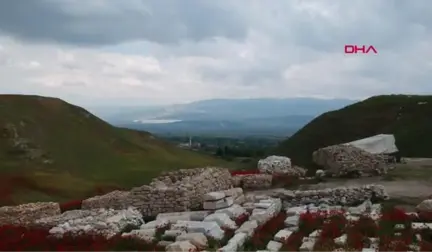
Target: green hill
<point>50,149</point>
<point>408,117</point>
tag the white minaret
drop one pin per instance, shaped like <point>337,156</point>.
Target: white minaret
<point>190,141</point>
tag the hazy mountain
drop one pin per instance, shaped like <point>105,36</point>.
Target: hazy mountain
<point>223,109</point>
<point>265,127</point>
<point>227,117</point>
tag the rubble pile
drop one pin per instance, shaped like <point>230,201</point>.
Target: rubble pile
<point>217,200</point>
<point>175,191</point>
<point>223,199</point>
<point>331,196</point>
<point>280,165</point>
<point>188,231</point>
<point>115,200</point>
<point>341,160</point>
<point>105,222</point>
<point>170,198</point>
<point>256,181</point>
<point>26,214</point>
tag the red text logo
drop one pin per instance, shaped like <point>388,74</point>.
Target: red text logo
<point>360,49</point>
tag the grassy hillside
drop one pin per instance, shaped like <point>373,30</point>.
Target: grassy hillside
<point>50,149</point>
<point>409,118</point>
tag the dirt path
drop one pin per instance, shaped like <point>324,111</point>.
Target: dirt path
<point>409,180</point>
<point>409,184</point>
<point>396,189</point>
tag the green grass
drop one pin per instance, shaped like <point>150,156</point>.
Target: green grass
<point>85,150</point>
<point>404,116</point>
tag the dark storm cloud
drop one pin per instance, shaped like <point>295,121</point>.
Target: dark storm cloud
<point>97,22</point>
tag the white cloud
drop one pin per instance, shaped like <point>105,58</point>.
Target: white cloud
<point>262,49</point>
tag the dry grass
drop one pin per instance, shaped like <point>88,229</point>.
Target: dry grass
<point>414,169</point>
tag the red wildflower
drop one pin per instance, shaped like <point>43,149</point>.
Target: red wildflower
<point>395,215</point>
<point>242,219</point>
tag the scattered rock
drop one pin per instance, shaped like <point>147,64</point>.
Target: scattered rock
<point>222,219</point>
<point>105,222</point>
<point>214,196</point>
<point>274,164</point>
<point>345,160</point>
<point>274,246</point>
<point>199,240</point>
<point>257,181</point>
<point>27,214</point>
<point>425,206</point>
<point>181,246</point>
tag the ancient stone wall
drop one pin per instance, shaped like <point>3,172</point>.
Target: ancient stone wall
<point>340,160</point>
<point>106,222</point>
<point>27,213</point>
<point>153,200</point>
<point>180,190</point>
<point>331,196</point>
<point>115,200</point>
<point>256,181</point>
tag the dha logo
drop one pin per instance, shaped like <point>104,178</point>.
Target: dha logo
<point>354,49</point>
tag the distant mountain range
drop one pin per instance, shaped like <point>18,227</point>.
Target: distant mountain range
<point>264,127</point>
<point>227,117</point>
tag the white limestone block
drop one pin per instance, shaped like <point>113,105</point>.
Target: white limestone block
<point>248,228</point>
<point>199,240</point>
<point>292,221</point>
<point>282,235</point>
<point>274,246</point>
<point>234,211</point>
<point>235,243</point>
<point>315,234</point>
<point>213,196</point>
<point>421,225</point>
<point>307,246</point>
<point>341,240</point>
<point>210,229</point>
<point>158,223</point>
<point>181,246</point>
<point>295,210</point>
<point>169,234</point>
<point>222,219</point>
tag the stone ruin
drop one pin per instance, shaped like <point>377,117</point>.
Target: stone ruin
<point>350,195</point>
<point>274,164</point>
<point>257,181</point>
<point>170,198</point>
<point>253,181</point>
<point>25,214</point>
<point>342,160</point>
<point>192,230</point>
<point>280,165</point>
<point>223,199</point>
<point>175,191</point>
<point>115,200</point>
<point>101,221</point>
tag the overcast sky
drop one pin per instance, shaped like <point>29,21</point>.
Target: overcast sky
<point>170,51</point>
